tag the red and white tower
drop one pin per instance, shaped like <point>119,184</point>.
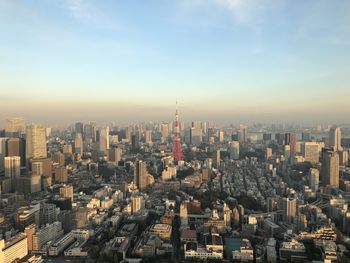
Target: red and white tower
<point>177,151</point>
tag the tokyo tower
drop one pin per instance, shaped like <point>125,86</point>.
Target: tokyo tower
<point>177,151</point>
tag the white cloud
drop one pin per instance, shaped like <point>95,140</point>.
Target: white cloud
<point>88,13</point>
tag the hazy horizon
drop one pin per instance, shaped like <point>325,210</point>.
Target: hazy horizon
<point>226,61</point>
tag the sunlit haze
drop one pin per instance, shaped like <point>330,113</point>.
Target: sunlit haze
<point>223,60</point>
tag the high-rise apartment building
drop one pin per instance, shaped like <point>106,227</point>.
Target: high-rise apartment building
<point>242,135</point>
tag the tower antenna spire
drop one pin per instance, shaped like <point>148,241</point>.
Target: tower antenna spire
<point>177,151</point>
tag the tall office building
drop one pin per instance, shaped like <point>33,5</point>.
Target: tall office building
<point>104,140</point>
<point>67,191</point>
<point>115,155</point>
<point>12,169</point>
<point>35,142</point>
<point>335,138</point>
<point>164,128</point>
<point>305,136</point>
<point>14,126</point>
<point>310,152</point>
<point>90,132</point>
<point>217,159</point>
<point>13,249</point>
<point>221,136</point>
<point>58,158</point>
<point>3,152</point>
<point>61,175</point>
<point>290,139</point>
<point>289,209</point>
<point>136,204</point>
<point>12,166</point>
<point>196,134</point>
<point>330,168</point>
<point>242,135</point>
<point>16,147</point>
<point>141,174</point>
<point>79,128</point>
<point>128,133</point>
<point>78,143</point>
<point>234,150</point>
<point>314,179</point>
<point>148,136</point>
<point>268,152</point>
<point>135,141</point>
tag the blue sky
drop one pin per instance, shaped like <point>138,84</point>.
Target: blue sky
<point>224,60</point>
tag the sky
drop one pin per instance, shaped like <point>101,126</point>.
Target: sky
<point>223,60</point>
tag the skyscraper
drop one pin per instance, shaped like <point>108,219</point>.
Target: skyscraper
<point>335,138</point>
<point>14,126</point>
<point>217,158</point>
<point>12,169</point>
<point>289,209</point>
<point>67,191</point>
<point>164,131</point>
<point>35,142</point>
<point>148,136</point>
<point>16,147</point>
<point>140,174</point>
<point>90,132</point>
<point>136,204</point>
<point>242,136</point>
<point>290,139</point>
<point>330,168</point>
<point>79,128</point>
<point>78,143</point>
<point>115,155</point>
<point>314,178</point>
<point>310,152</point>
<point>104,140</point>
<point>234,150</point>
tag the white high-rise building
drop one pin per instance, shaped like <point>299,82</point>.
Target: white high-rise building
<point>335,138</point>
<point>36,142</point>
